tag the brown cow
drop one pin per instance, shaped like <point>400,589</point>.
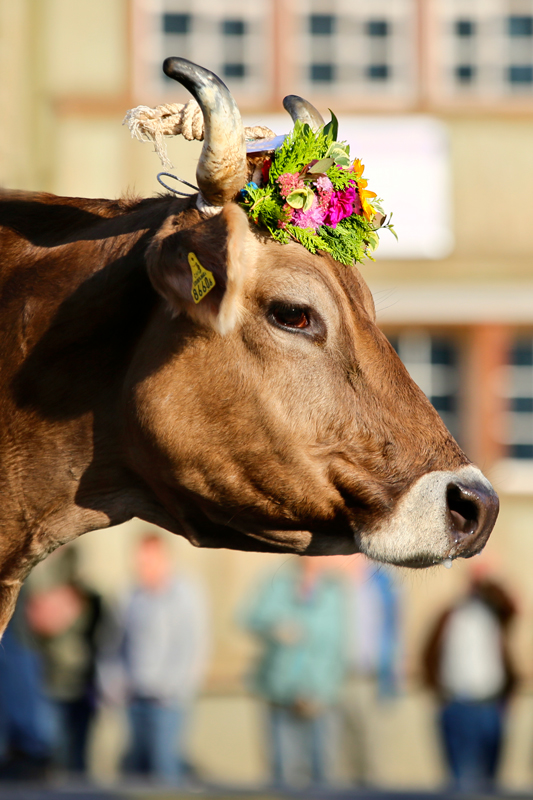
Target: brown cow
<point>273,415</point>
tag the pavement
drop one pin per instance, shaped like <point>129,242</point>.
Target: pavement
<point>21,791</point>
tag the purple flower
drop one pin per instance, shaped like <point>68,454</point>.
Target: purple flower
<point>312,218</point>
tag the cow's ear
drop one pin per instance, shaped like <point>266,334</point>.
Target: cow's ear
<point>200,268</point>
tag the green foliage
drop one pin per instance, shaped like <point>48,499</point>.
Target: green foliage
<point>301,198</point>
<point>331,128</point>
<point>343,245</point>
<point>354,237</point>
<point>321,166</point>
<point>388,226</point>
<point>305,236</point>
<point>339,178</point>
<point>300,147</point>
<point>340,152</point>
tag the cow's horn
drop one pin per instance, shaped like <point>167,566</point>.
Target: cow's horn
<point>222,170</point>
<point>301,109</point>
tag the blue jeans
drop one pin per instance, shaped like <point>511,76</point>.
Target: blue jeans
<point>298,754</point>
<point>472,734</point>
<point>74,719</point>
<point>155,740</point>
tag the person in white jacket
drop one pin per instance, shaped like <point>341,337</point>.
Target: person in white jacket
<point>163,656</point>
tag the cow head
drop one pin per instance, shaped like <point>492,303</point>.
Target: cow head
<point>277,415</point>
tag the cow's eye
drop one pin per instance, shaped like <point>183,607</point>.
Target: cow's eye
<point>291,316</point>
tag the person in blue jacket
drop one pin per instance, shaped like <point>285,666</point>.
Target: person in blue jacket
<point>298,616</point>
<point>27,732</point>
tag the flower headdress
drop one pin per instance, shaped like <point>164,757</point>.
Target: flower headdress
<point>311,191</point>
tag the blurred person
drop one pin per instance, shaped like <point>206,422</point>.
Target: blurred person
<point>373,652</point>
<point>165,637</point>
<point>65,616</point>
<point>467,664</point>
<point>298,617</point>
<point>26,724</point>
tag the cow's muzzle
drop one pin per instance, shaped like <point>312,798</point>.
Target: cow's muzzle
<point>472,512</point>
<point>443,515</point>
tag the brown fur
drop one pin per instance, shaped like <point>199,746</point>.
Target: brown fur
<point>118,400</point>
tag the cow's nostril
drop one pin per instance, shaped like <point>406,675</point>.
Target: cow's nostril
<point>472,512</point>
<point>463,510</point>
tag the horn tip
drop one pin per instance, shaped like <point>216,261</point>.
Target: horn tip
<point>170,64</point>
<point>287,101</point>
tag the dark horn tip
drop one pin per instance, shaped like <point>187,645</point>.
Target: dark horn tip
<point>190,75</point>
<point>288,101</point>
<point>171,65</point>
<point>303,110</point>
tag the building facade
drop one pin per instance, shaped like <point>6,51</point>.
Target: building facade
<point>384,55</point>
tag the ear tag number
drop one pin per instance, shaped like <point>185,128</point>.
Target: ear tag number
<point>202,280</point>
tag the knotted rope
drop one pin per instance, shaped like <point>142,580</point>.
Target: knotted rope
<point>172,119</point>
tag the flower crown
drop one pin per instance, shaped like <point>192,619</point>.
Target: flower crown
<point>312,192</point>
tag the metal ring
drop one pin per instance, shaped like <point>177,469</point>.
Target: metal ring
<point>175,177</point>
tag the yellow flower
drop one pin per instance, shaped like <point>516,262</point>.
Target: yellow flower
<point>358,168</point>
<point>364,193</point>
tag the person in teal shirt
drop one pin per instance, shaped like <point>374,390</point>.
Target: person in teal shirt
<point>298,615</point>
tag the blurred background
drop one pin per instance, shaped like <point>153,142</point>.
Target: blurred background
<point>436,97</point>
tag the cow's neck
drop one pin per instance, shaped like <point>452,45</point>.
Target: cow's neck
<point>73,347</point>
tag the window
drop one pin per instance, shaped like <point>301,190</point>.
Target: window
<point>233,27</point>
<point>520,414</point>
<point>485,49</point>
<point>378,49</point>
<point>377,27</point>
<point>520,26</point>
<point>176,23</point>
<point>322,73</point>
<point>357,50</point>
<point>465,73</point>
<point>234,70</point>
<point>228,38</point>
<point>378,72</point>
<point>520,74</point>
<point>322,24</point>
<point>432,362</point>
<point>465,27</point>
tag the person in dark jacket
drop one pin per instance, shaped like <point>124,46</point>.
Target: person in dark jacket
<point>65,616</point>
<point>467,664</point>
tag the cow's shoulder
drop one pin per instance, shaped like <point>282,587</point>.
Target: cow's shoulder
<point>60,256</point>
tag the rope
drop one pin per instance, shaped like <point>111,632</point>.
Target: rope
<point>172,119</point>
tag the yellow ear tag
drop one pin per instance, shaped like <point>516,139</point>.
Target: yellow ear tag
<point>202,280</point>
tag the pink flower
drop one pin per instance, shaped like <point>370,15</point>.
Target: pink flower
<point>312,218</point>
<point>343,204</point>
<point>325,191</point>
<point>288,182</point>
<point>324,184</point>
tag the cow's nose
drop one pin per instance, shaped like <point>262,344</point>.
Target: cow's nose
<point>472,512</point>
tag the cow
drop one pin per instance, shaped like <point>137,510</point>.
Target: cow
<point>273,415</point>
